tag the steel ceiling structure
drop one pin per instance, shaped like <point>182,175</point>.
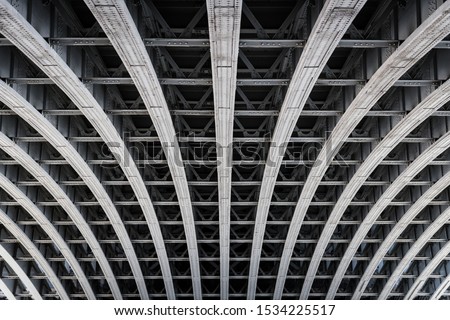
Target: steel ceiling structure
<point>224,149</point>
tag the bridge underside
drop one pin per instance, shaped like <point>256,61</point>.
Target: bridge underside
<point>177,38</point>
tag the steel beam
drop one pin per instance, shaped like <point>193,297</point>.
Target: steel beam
<point>236,241</point>
<point>42,176</point>
<point>202,43</point>
<point>51,231</point>
<point>237,113</point>
<point>412,252</point>
<point>24,278</point>
<point>418,165</point>
<point>27,112</point>
<point>329,28</point>
<point>241,82</point>
<point>38,257</point>
<point>202,140</point>
<point>233,203</point>
<point>426,273</point>
<point>423,39</point>
<point>31,43</point>
<point>120,28</point>
<point>419,114</point>
<point>440,291</point>
<point>6,291</point>
<point>224,20</point>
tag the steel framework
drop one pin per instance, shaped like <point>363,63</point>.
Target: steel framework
<point>224,149</point>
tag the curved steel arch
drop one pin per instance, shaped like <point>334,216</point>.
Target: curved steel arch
<point>6,291</point>
<point>415,117</point>
<point>425,274</point>
<point>224,23</point>
<point>333,21</point>
<point>116,21</point>
<point>441,289</point>
<point>31,43</point>
<point>42,176</point>
<point>413,251</point>
<point>26,242</point>
<point>48,227</point>
<point>385,199</point>
<point>34,118</point>
<point>20,273</point>
<point>423,39</point>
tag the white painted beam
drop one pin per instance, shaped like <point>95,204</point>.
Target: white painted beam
<point>42,176</point>
<point>30,42</point>
<point>24,278</point>
<point>35,119</point>
<point>419,114</point>
<point>224,20</point>
<point>6,291</point>
<point>431,266</point>
<point>38,257</point>
<point>441,289</point>
<point>116,21</point>
<point>414,251</point>
<point>333,21</point>
<point>48,228</point>
<point>422,40</point>
<point>393,235</point>
<point>424,159</point>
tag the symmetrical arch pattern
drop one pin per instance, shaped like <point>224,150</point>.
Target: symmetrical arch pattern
<point>224,149</point>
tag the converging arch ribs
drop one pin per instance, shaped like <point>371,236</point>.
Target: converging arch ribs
<point>273,149</point>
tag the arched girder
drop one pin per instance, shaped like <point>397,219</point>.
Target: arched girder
<point>385,199</point>
<point>34,118</point>
<point>224,20</point>
<point>116,21</point>
<point>419,114</point>
<point>425,274</point>
<point>413,251</point>
<point>333,21</point>
<point>51,231</point>
<point>34,252</point>
<point>24,278</point>
<point>441,289</point>
<point>42,176</point>
<point>422,40</point>
<point>6,291</point>
<point>31,43</point>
